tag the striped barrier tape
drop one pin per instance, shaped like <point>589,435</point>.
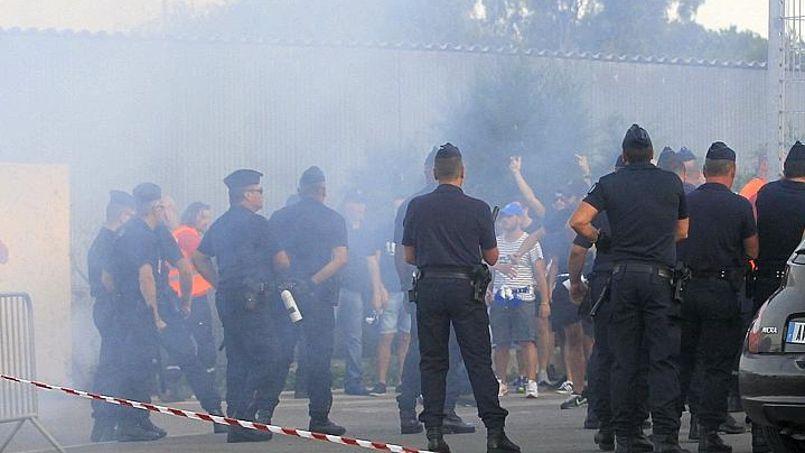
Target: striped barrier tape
<point>221,420</point>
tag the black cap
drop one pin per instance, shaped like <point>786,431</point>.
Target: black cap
<point>636,138</point>
<point>665,161</point>
<point>242,178</point>
<point>619,162</point>
<point>447,151</point>
<point>121,198</point>
<point>685,154</point>
<point>312,175</point>
<point>147,192</point>
<point>796,153</point>
<point>720,151</point>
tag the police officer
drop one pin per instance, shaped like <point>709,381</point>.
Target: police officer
<point>119,210</point>
<point>446,235</point>
<point>138,258</point>
<point>244,248</point>
<point>313,249</point>
<point>722,237</point>
<point>410,387</point>
<point>647,213</point>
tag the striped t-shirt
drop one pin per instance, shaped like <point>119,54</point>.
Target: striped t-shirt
<point>525,267</point>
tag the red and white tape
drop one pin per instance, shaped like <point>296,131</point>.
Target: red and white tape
<point>381,446</point>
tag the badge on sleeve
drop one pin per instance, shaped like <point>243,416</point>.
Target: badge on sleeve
<point>592,188</point>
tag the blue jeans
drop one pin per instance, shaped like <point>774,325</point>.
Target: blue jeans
<point>349,319</point>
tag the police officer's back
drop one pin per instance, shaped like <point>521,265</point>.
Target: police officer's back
<point>780,222</point>
<point>647,212</point>
<point>722,237</point>
<point>446,234</point>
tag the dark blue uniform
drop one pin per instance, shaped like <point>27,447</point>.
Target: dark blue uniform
<point>243,247</point>
<point>712,327</point>
<point>307,232</point>
<point>643,204</point>
<point>780,223</point>
<point>448,231</point>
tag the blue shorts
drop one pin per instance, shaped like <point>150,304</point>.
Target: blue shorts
<point>395,318</point>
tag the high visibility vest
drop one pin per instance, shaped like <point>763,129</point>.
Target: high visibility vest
<point>200,286</point>
<point>750,190</point>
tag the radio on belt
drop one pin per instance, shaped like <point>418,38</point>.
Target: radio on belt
<point>290,305</point>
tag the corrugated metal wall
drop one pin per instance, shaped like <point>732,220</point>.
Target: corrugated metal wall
<point>184,113</point>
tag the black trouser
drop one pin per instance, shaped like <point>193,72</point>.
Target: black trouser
<point>601,364</point>
<point>317,328</point>
<point>443,302</point>
<point>411,379</point>
<point>105,374</point>
<point>711,337</point>
<point>136,360</point>
<point>177,339</point>
<point>251,351</point>
<point>199,327</point>
<point>644,320</point>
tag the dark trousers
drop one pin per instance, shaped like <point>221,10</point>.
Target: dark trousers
<point>600,370</point>
<point>317,328</point>
<point>711,338</point>
<point>442,303</point>
<point>411,379</point>
<point>645,319</point>
<point>105,374</point>
<point>251,352</point>
<point>136,360</point>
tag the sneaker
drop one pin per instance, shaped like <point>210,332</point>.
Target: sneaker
<point>566,388</point>
<point>379,389</point>
<point>503,389</point>
<point>574,401</point>
<point>531,389</point>
<point>519,384</point>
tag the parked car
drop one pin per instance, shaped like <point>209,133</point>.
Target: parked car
<point>772,369</point>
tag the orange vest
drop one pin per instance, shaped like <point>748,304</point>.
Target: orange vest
<point>751,189</point>
<point>200,286</point>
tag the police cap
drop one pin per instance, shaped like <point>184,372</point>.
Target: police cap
<point>311,176</point>
<point>636,138</point>
<point>720,151</point>
<point>242,178</point>
<point>121,198</point>
<point>685,154</point>
<point>447,151</point>
<point>147,192</point>
<point>666,157</point>
<point>797,153</point>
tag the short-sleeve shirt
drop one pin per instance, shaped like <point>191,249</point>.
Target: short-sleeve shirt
<point>308,231</point>
<point>355,275</point>
<point>137,246</point>
<point>243,246</point>
<point>100,252</point>
<point>603,260</point>
<point>448,229</point>
<point>780,221</point>
<point>719,222</point>
<point>524,267</point>
<point>644,205</point>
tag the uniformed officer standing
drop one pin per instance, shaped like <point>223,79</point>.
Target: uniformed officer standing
<point>723,236</point>
<point>244,249</point>
<point>119,210</point>
<point>446,235</point>
<point>313,248</point>
<point>647,213</point>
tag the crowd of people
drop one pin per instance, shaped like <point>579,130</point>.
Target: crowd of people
<point>153,276</point>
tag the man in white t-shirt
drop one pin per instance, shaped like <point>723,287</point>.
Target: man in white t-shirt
<point>513,301</point>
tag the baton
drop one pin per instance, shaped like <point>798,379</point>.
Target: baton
<point>601,298</point>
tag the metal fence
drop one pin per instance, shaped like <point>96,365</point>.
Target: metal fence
<point>786,72</point>
<point>18,403</point>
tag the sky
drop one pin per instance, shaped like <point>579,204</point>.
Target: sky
<point>122,15</point>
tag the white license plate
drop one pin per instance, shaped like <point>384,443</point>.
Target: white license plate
<point>796,333</point>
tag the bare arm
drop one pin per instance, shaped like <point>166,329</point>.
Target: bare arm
<point>751,246</point>
<point>491,256</point>
<point>185,283</point>
<point>682,226</point>
<point>148,288</point>
<point>337,261</point>
<point>282,262</point>
<point>530,198</point>
<point>582,221</point>
<point>540,275</point>
<point>107,281</point>
<point>410,255</point>
<point>530,242</point>
<point>373,263</point>
<point>575,266</point>
<point>205,267</point>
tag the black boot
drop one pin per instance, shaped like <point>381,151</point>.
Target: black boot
<point>731,426</point>
<point>436,441</point>
<point>693,434</point>
<point>497,442</point>
<point>236,434</point>
<point>641,443</point>
<point>711,442</point>
<point>409,424</point>
<point>668,444</point>
<point>148,425</point>
<point>133,432</point>
<point>623,444</point>
<point>326,426</point>
<point>216,428</point>
<point>759,444</point>
<point>102,431</point>
<point>453,424</point>
<point>605,440</point>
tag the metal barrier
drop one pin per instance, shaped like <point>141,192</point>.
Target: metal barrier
<point>18,403</point>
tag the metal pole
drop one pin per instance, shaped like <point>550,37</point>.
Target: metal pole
<point>775,77</point>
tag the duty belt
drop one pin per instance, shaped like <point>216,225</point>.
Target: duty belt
<point>722,274</point>
<point>661,271</point>
<point>771,273</point>
<point>459,273</point>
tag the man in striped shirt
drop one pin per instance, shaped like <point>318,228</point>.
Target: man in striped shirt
<point>513,302</point>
